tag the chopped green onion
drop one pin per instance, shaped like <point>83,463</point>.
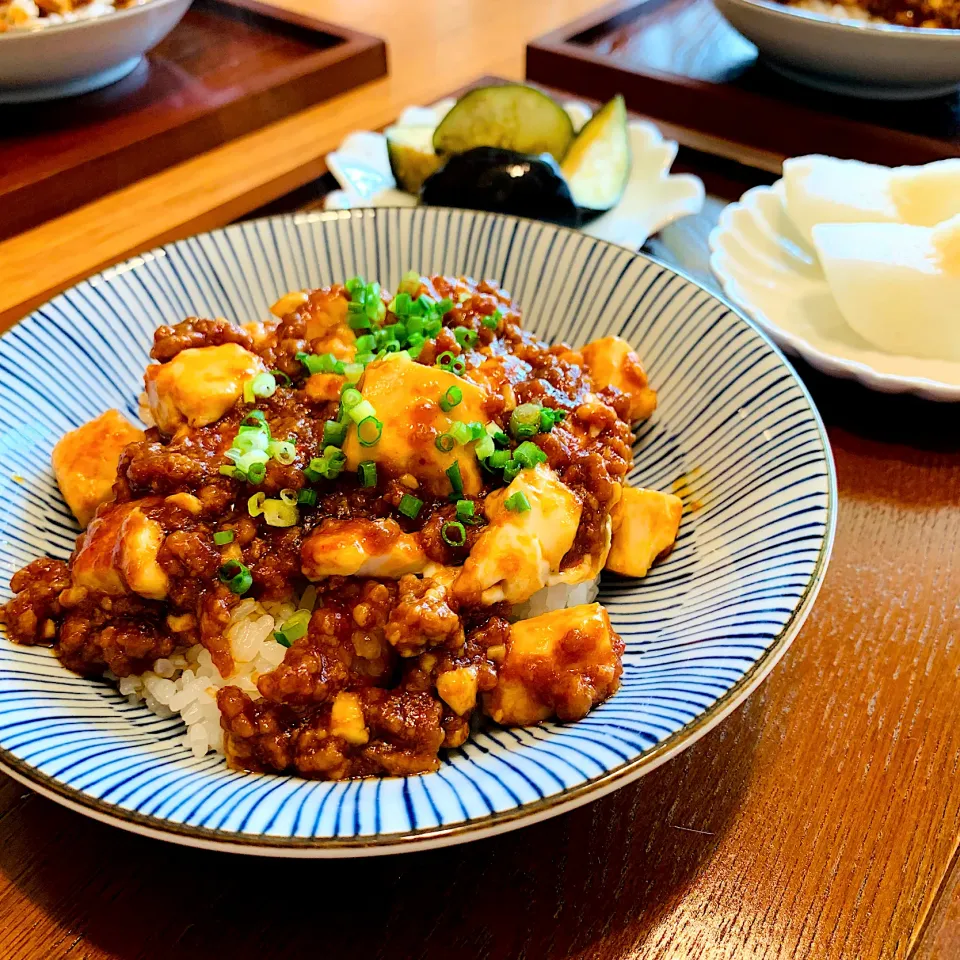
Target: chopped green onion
<point>499,459</point>
<point>320,363</point>
<point>445,359</point>
<point>499,437</point>
<point>307,498</point>
<point>245,461</point>
<point>454,533</point>
<point>492,320</point>
<point>362,411</point>
<point>281,639</point>
<point>255,504</point>
<point>484,448</point>
<point>222,537</point>
<point>258,418</point>
<point>367,471</point>
<point>264,385</point>
<point>511,470</point>
<point>476,429</point>
<point>358,321</point>
<point>295,626</point>
<point>465,509</point>
<point>282,377</point>
<point>465,336</point>
<point>445,442</point>
<point>329,466</point>
<point>525,420</point>
<point>529,454</point>
<point>236,576</point>
<point>366,344</point>
<point>283,451</point>
<point>549,418</point>
<point>410,506</point>
<point>288,495</point>
<point>453,474</point>
<point>450,399</point>
<point>334,433</point>
<point>461,432</point>
<point>517,502</point>
<point>256,473</point>
<point>233,472</point>
<point>368,431</point>
<point>450,363</point>
<point>350,398</point>
<point>279,513</point>
<point>409,284</point>
<point>353,371</point>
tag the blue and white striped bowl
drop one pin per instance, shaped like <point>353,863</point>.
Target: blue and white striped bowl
<point>736,433</point>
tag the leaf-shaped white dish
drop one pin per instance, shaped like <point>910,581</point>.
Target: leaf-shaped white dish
<point>773,275</point>
<point>653,198</point>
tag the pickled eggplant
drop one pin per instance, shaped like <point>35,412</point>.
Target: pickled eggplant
<point>511,116</point>
<point>597,165</point>
<point>503,181</point>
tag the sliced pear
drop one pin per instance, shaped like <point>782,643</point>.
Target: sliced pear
<point>412,158</point>
<point>897,285</point>
<point>597,165</point>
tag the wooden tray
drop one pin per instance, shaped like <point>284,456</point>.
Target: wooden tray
<point>679,62</point>
<point>230,67</point>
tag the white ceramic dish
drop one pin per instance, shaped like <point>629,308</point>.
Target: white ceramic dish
<point>772,274</point>
<point>84,55</point>
<point>860,59</point>
<point>734,425</point>
<point>653,198</point>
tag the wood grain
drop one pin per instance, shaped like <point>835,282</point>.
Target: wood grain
<point>228,68</point>
<point>680,62</point>
<point>816,822</point>
<point>434,47</point>
<point>819,821</point>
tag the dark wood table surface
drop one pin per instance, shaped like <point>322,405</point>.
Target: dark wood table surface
<point>819,820</point>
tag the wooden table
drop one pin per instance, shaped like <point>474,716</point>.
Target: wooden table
<point>820,820</point>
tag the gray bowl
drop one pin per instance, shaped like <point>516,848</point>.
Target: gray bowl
<point>875,61</point>
<point>70,58</point>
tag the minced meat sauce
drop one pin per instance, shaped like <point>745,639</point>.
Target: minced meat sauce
<point>386,642</point>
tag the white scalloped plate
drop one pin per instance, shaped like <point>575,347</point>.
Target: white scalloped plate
<point>653,198</point>
<point>772,274</point>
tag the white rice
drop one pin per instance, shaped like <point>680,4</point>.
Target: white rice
<point>186,683</point>
<point>837,11</point>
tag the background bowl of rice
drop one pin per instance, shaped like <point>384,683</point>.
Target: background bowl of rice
<point>857,56</point>
<point>84,54</point>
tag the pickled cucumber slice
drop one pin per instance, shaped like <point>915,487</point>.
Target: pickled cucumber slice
<point>511,116</point>
<point>597,165</point>
<point>412,158</point>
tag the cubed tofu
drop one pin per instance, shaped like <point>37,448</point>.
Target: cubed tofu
<point>645,525</point>
<point>85,462</point>
<point>458,689</point>
<point>612,362</point>
<point>118,554</point>
<point>361,548</point>
<point>347,720</point>
<point>559,664</point>
<point>517,553</point>
<point>406,396</point>
<point>198,386</point>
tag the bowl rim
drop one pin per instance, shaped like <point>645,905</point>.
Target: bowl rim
<point>852,27</point>
<point>57,28</point>
<point>503,821</point>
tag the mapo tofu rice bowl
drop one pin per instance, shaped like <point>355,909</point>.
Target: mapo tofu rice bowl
<point>355,530</point>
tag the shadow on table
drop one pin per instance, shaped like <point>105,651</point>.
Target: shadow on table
<point>606,872</point>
